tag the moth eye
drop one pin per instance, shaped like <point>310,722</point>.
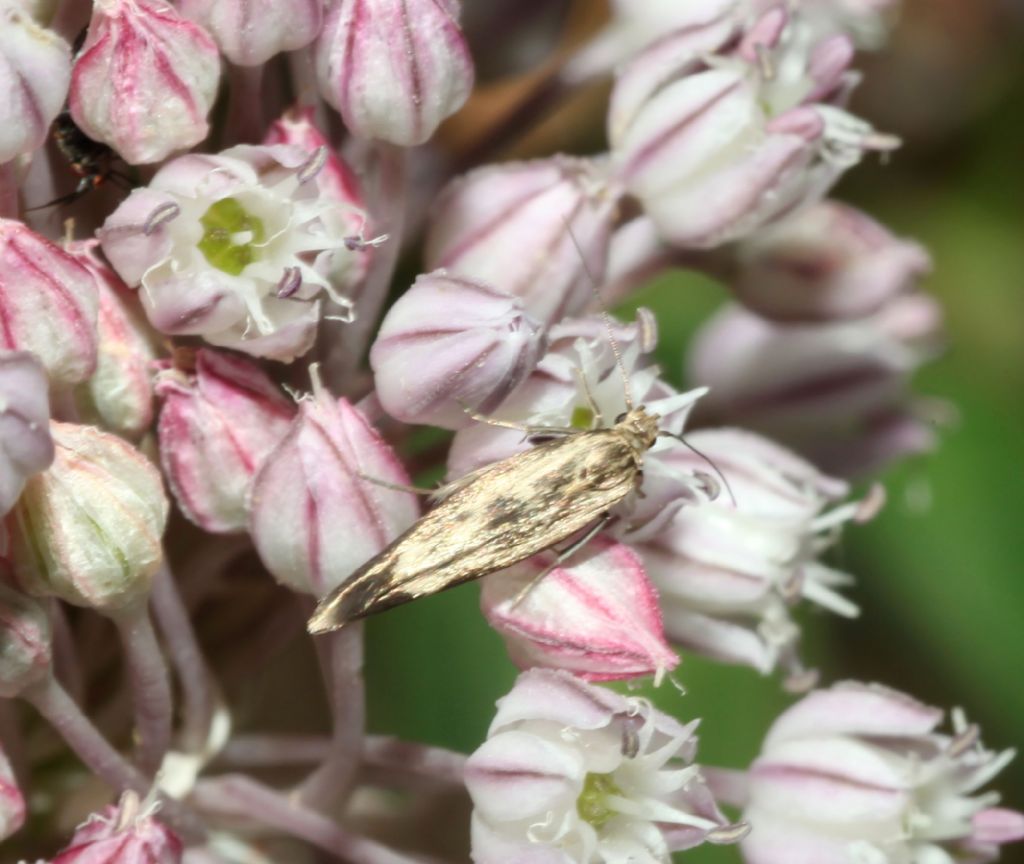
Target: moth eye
<point>621,417</point>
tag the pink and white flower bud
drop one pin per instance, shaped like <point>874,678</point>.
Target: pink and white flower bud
<point>337,182</point>
<point>729,570</point>
<point>126,833</point>
<point>25,645</point>
<point>35,70</point>
<point>714,151</point>
<point>251,33</point>
<point>706,24</point>
<point>12,802</point>
<point>450,345</point>
<point>554,395</point>
<point>50,304</point>
<point>144,80</point>
<point>826,262</point>
<point>573,772</point>
<point>394,69</point>
<point>217,426</point>
<point>596,616</point>
<point>25,444</point>
<point>837,393</point>
<point>539,230</point>
<point>861,773</point>
<point>88,529</point>
<point>119,395</point>
<point>235,247</point>
<point>315,512</point>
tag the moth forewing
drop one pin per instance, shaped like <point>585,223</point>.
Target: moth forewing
<point>516,508</point>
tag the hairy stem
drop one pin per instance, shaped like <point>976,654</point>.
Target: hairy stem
<point>236,795</point>
<point>343,671</point>
<point>197,685</point>
<point>150,683</point>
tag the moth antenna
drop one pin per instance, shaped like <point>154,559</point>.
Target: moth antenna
<point>706,458</point>
<point>604,315</point>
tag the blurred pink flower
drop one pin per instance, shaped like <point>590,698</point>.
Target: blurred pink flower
<point>127,833</point>
<point>12,802</point>
<point>25,444</point>
<point>250,33</point>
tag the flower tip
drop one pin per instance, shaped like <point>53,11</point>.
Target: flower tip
<point>728,834</point>
<point>871,504</point>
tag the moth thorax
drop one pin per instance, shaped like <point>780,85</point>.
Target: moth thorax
<point>640,427</point>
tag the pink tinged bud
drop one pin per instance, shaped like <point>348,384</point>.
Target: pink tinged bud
<point>25,444</point>
<point>144,80</point>
<point>216,428</point>
<point>452,344</point>
<point>314,517</point>
<point>539,230</point>
<point>859,772</point>
<point>237,247</point>
<point>24,642</point>
<point>394,69</point>
<point>35,69</point>
<point>12,803</point>
<point>827,262</point>
<point>127,833</point>
<point>119,395</point>
<point>702,160</point>
<point>837,393</point>
<point>596,616</point>
<point>574,772</point>
<point>88,529</point>
<point>48,304</point>
<point>249,33</point>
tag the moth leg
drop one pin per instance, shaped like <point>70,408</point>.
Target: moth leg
<point>591,401</point>
<point>563,555</point>
<point>398,487</point>
<point>519,427</point>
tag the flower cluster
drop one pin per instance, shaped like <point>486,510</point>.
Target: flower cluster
<point>173,500</point>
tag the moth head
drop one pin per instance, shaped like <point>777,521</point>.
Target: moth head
<point>640,424</point>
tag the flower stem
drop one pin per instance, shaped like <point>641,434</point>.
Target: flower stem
<point>8,191</point>
<point>245,105</point>
<point>151,687</point>
<point>343,670</point>
<point>197,685</point>
<point>236,795</point>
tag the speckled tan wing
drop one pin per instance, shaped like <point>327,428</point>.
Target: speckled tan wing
<point>518,507</point>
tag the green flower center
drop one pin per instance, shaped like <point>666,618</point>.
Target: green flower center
<point>582,417</point>
<point>592,805</point>
<point>231,236</point>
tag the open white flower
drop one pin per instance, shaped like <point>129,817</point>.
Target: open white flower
<point>572,772</point>
<point>235,247</point>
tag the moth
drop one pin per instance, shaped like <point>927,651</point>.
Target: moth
<point>502,514</point>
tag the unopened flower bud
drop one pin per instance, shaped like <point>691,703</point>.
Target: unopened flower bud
<point>450,345</point>
<point>216,427</point>
<point>315,512</point>
<point>50,304</point>
<point>88,529</point>
<point>596,616</point>
<point>828,261</point>
<point>119,395</point>
<point>573,772</point>
<point>859,772</point>
<point>12,802</point>
<point>394,69</point>
<point>235,247</point>
<point>35,69</point>
<point>539,230</point>
<point>128,833</point>
<point>837,393</point>
<point>144,80</point>
<point>25,444</point>
<point>24,641</point>
<point>251,33</point>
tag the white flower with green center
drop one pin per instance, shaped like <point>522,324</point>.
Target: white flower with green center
<point>572,772</point>
<point>237,247</point>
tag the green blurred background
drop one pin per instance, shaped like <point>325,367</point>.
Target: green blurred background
<point>941,570</point>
